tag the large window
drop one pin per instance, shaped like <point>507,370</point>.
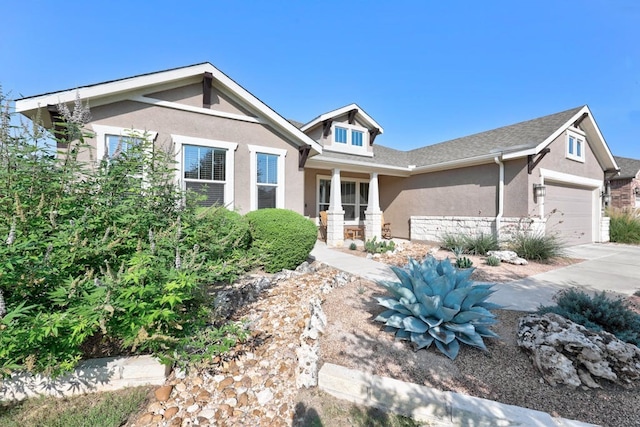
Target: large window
<point>355,198</point>
<point>267,180</point>
<point>112,141</point>
<point>204,172</point>
<point>267,177</point>
<point>206,167</point>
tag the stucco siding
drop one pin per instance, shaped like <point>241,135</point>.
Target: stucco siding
<point>557,160</point>
<point>462,192</point>
<point>167,121</point>
<point>192,95</point>
<point>516,189</point>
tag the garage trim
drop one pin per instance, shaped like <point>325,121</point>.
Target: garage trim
<point>590,183</point>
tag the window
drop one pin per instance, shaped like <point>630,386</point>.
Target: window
<point>341,135</point>
<point>356,138</point>
<point>267,180</point>
<point>349,138</point>
<point>267,177</point>
<point>204,172</point>
<point>355,198</point>
<point>206,167</point>
<point>575,146</point>
<point>111,140</point>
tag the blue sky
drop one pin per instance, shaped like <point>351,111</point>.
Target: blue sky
<point>427,71</point>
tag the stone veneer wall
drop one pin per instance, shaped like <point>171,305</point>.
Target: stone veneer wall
<point>604,229</point>
<point>432,228</point>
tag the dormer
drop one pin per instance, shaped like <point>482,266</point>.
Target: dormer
<point>346,130</point>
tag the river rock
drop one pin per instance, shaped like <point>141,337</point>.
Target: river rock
<point>509,257</point>
<point>568,353</point>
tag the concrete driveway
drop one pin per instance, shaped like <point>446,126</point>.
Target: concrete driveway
<point>607,267</point>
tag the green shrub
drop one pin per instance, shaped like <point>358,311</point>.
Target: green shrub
<point>436,303</point>
<point>481,244</point>
<point>624,226</point>
<point>353,246</point>
<point>597,313</point>
<point>493,261</point>
<point>450,241</point>
<point>470,244</point>
<point>464,262</point>
<point>282,239</point>
<point>108,256</point>
<point>536,246</point>
<point>373,246</point>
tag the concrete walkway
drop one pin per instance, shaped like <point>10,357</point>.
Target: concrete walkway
<point>607,267</point>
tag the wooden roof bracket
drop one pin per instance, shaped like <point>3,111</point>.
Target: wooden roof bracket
<point>372,135</point>
<point>303,154</point>
<point>207,81</point>
<point>531,164</point>
<point>352,116</point>
<point>580,119</point>
<point>326,127</point>
<point>57,125</point>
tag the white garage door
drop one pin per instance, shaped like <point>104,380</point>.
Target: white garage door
<point>573,217</point>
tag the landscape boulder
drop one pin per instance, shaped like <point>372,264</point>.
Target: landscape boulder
<point>510,257</point>
<point>568,353</point>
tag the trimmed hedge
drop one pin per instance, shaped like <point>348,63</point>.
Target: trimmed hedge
<point>282,238</point>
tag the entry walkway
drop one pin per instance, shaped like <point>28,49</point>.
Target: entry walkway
<point>607,267</point>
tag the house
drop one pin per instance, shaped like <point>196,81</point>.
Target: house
<point>548,171</point>
<point>625,188</point>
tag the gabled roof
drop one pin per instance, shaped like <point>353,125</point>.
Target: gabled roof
<point>360,114</point>
<point>629,168</point>
<point>508,142</point>
<point>110,91</point>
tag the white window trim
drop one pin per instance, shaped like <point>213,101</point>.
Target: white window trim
<point>253,170</point>
<point>231,147</point>
<point>358,181</point>
<point>102,131</point>
<point>577,136</point>
<point>348,147</point>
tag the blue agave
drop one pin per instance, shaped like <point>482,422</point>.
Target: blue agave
<point>434,302</point>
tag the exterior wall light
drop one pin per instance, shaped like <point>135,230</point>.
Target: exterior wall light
<point>606,197</point>
<point>539,190</point>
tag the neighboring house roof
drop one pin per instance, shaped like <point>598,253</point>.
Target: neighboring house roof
<point>508,142</point>
<point>360,113</point>
<point>136,86</point>
<point>629,168</point>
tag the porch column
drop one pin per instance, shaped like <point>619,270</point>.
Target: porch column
<point>335,214</point>
<point>373,214</point>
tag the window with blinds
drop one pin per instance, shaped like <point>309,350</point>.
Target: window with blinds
<point>267,179</point>
<point>205,173</point>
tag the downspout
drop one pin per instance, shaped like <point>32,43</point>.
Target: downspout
<point>500,196</point>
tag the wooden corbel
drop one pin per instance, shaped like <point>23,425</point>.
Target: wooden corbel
<point>352,116</point>
<point>580,119</point>
<point>326,127</point>
<point>372,135</point>
<point>303,154</point>
<point>57,125</point>
<point>206,89</point>
<point>531,163</point>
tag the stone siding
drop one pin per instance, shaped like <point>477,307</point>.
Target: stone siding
<point>432,228</point>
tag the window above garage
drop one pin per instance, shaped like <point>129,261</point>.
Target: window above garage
<point>576,146</point>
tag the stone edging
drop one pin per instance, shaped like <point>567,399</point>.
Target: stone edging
<point>426,404</point>
<point>105,374</point>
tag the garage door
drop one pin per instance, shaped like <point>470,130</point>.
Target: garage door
<point>573,219</point>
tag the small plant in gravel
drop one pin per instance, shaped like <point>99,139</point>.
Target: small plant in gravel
<point>478,244</point>
<point>374,247</point>
<point>597,313</point>
<point>536,246</point>
<point>463,262</point>
<point>436,303</point>
<point>493,261</point>
<point>353,246</point>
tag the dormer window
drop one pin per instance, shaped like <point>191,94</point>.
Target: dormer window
<point>349,138</point>
<point>575,146</point>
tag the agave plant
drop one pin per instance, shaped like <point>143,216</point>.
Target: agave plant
<point>436,303</point>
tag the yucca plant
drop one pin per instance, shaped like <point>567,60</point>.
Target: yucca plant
<point>436,303</point>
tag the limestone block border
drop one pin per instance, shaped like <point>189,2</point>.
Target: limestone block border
<point>95,375</point>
